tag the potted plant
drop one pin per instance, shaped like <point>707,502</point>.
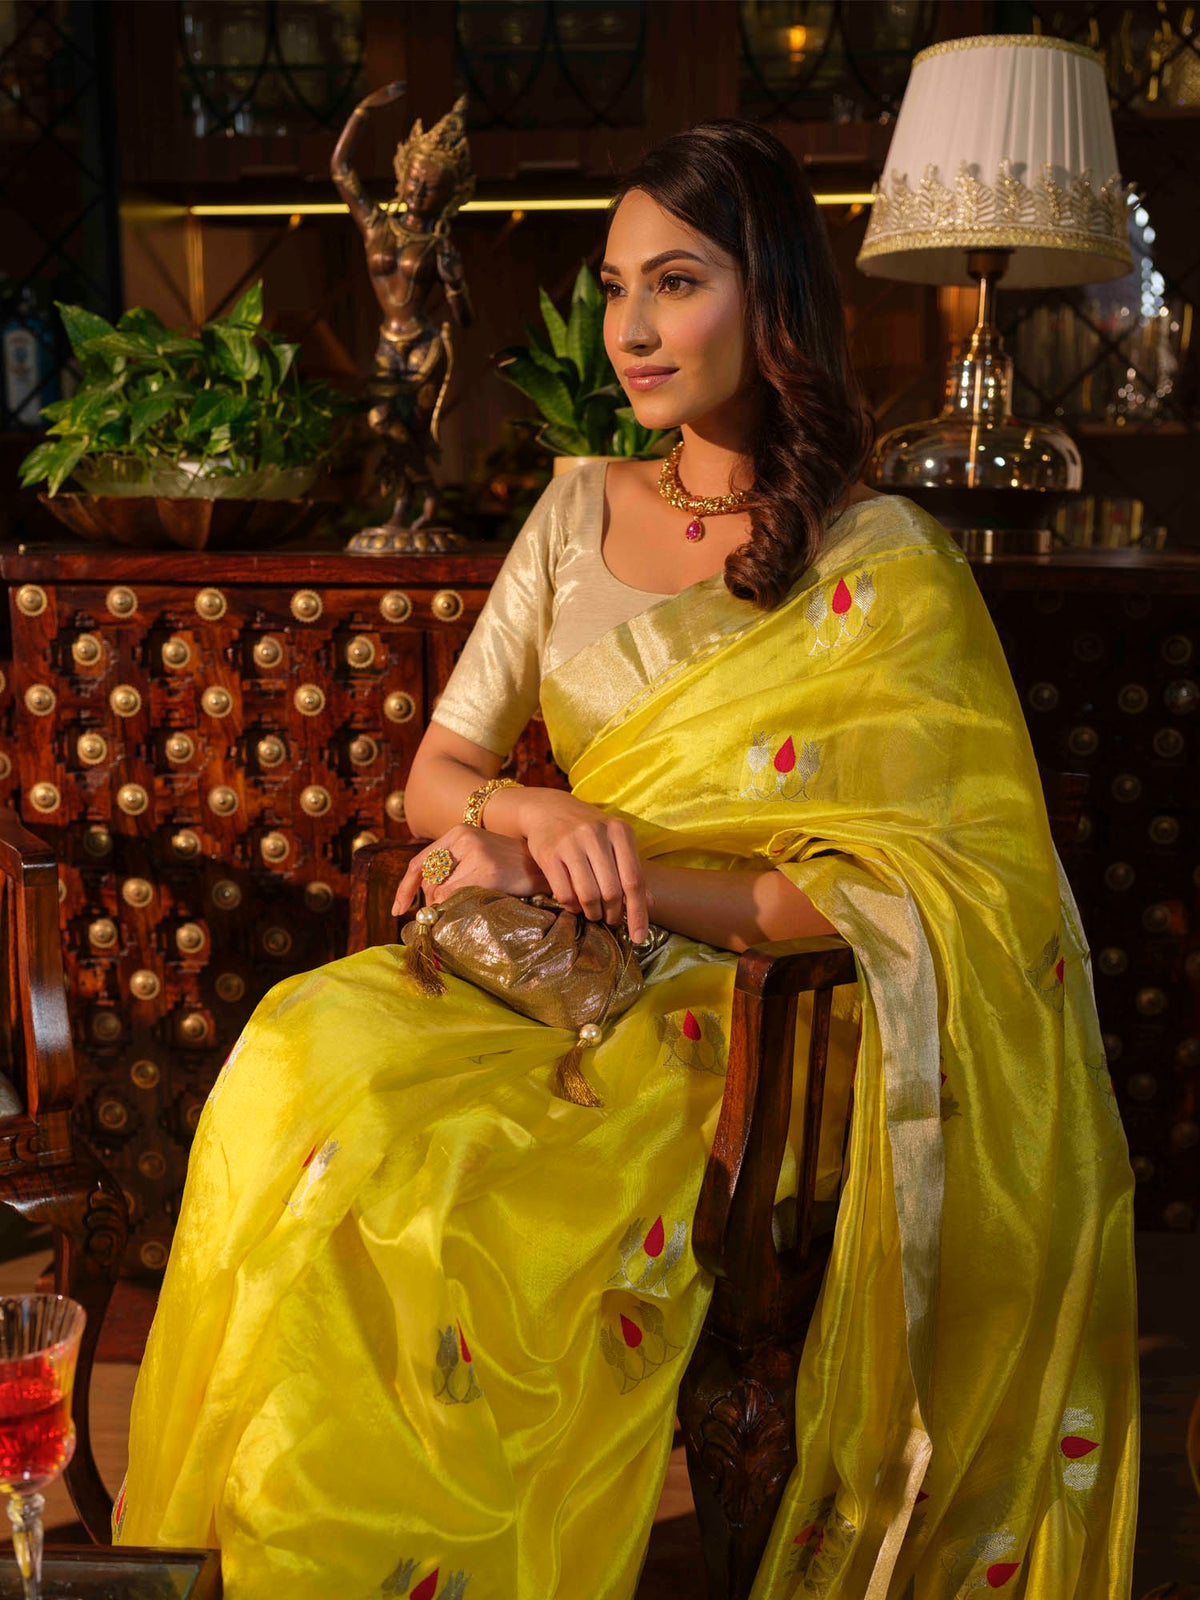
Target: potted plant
<point>184,440</point>
<point>568,376</point>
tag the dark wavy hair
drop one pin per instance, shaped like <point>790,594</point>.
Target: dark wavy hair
<point>736,184</point>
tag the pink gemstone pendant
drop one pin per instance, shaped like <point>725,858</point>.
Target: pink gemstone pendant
<point>694,530</point>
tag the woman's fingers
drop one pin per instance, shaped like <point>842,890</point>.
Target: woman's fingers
<point>583,882</point>
<point>607,875</point>
<point>406,893</point>
<point>633,881</point>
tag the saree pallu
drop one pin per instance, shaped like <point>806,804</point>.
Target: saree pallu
<point>423,1323</point>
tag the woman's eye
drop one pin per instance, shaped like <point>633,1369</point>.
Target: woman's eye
<point>610,289</point>
<point>672,282</point>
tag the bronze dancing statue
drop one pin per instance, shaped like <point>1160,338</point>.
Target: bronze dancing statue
<point>409,253</point>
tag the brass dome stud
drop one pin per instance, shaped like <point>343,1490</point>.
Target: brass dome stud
<point>106,1026</point>
<point>137,892</point>
<point>91,748</point>
<point>364,838</point>
<point>210,604</point>
<point>144,984</point>
<point>194,1028</point>
<point>274,847</point>
<point>395,606</point>
<point>226,895</point>
<point>87,650</point>
<point>318,896</point>
<point>360,652</point>
<point>152,1164</point>
<point>315,801</point>
<point>217,701</point>
<point>186,843</point>
<point>394,805</point>
<point>97,840</point>
<point>276,941</point>
<point>268,652</point>
<point>447,605</point>
<point>112,1115</point>
<point>125,700</point>
<point>176,653</point>
<point>230,986</point>
<point>306,605</point>
<point>270,751</point>
<point>45,797</point>
<point>5,765</point>
<point>363,750</point>
<point>41,699</point>
<point>399,707</point>
<point>153,1255</point>
<point>102,933</point>
<point>132,799</point>
<point>222,800</point>
<point>145,1074</point>
<point>189,938</point>
<point>121,601</point>
<point>309,699</point>
<point>180,747</point>
<point>31,600</point>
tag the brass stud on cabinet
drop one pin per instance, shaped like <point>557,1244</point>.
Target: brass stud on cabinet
<point>176,653</point>
<point>152,1164</point>
<point>106,1026</point>
<point>222,800</point>
<point>364,838</point>
<point>1168,743</point>
<point>3,681</point>
<point>314,800</point>
<point>274,847</point>
<point>306,605</point>
<point>399,707</point>
<point>153,1255</point>
<point>41,699</point>
<point>226,895</point>
<point>270,751</point>
<point>5,765</point>
<point>45,797</point>
<point>87,650</point>
<point>276,941</point>
<point>1180,1215</point>
<point>318,896</point>
<point>217,701</point>
<point>360,652</point>
<point>1164,830</point>
<point>132,799</point>
<point>31,600</point>
<point>62,891</point>
<point>102,933</point>
<point>447,605</point>
<point>210,604</point>
<point>309,699</point>
<point>363,750</point>
<point>394,805</point>
<point>1150,1002</point>
<point>144,984</point>
<point>194,1028</point>
<point>230,986</point>
<point>91,748</point>
<point>125,700</point>
<point>112,1115</point>
<point>137,892</point>
<point>189,938</point>
<point>395,606</point>
<point>186,843</point>
<point>121,601</point>
<point>97,840</point>
<point>180,747</point>
<point>145,1075</point>
<point>268,652</point>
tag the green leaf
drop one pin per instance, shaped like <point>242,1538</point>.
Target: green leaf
<point>564,441</point>
<point>249,309</point>
<point>138,320</point>
<point>547,391</point>
<point>113,345</point>
<point>583,337</point>
<point>555,325</point>
<point>536,341</point>
<point>277,357</point>
<point>235,352</point>
<point>53,461</point>
<point>587,290</point>
<point>213,408</point>
<point>81,325</point>
<point>145,413</point>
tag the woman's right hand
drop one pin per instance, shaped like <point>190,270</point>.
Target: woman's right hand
<point>590,860</point>
<point>481,860</point>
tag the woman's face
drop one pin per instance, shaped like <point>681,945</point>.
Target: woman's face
<point>674,326</point>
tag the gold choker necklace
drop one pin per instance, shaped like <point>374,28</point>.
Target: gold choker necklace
<point>700,505</point>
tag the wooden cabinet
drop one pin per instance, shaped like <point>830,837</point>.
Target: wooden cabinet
<point>204,740</point>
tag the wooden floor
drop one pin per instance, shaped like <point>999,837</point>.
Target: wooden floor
<point>1168,1539</point>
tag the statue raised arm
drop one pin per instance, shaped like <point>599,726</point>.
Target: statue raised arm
<point>410,258</point>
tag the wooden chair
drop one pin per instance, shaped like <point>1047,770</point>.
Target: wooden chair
<point>46,1172</point>
<point>738,1394</point>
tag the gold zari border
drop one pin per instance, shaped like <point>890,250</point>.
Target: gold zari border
<point>992,238</point>
<point>978,41</point>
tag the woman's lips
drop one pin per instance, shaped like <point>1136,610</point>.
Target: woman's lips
<point>648,380</point>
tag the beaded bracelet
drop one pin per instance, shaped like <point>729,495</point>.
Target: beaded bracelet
<point>473,814</point>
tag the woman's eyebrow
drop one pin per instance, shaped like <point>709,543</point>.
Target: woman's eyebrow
<point>656,261</point>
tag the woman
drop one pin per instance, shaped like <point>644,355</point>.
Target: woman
<point>424,1321</point>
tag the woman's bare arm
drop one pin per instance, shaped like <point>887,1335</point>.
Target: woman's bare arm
<point>732,910</point>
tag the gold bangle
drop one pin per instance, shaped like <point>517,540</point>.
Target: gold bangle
<point>473,813</point>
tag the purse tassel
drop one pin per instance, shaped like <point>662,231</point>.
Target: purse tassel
<point>421,965</point>
<point>569,1081</point>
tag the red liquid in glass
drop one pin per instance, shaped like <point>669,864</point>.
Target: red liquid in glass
<point>36,1439</point>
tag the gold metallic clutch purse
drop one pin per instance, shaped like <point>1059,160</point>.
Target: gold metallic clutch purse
<point>549,964</point>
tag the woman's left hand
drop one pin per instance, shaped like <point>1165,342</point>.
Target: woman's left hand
<point>481,860</point>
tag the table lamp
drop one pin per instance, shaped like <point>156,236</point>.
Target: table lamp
<point>1002,165</point>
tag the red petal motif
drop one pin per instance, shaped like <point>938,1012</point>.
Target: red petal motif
<point>785,758</point>
<point>942,1075</point>
<point>631,1333</point>
<point>309,1156</point>
<point>1058,972</point>
<point>462,1344</point>
<point>691,1028</point>
<point>654,1239</point>
<point>1073,1446</point>
<point>427,1587</point>
<point>813,1531</point>
<point>842,598</point>
<point>921,1495</point>
<point>999,1574</point>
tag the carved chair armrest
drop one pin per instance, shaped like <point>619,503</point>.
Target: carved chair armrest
<point>732,1234</point>
<point>34,976</point>
<point>375,874</point>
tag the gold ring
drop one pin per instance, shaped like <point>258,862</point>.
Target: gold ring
<point>437,866</point>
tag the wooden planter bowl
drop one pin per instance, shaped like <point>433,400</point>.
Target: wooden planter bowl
<point>149,522</point>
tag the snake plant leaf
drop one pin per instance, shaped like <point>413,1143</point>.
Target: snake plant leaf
<point>555,326</point>
<point>547,390</point>
<point>534,336</point>
<point>583,339</point>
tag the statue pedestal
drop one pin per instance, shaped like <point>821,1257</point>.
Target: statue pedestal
<point>394,540</point>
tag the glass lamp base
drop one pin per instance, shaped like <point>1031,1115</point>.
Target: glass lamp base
<point>955,452</point>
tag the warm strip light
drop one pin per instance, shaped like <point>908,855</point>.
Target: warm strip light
<point>331,208</point>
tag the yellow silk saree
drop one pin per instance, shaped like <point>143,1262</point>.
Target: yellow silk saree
<point>424,1322</point>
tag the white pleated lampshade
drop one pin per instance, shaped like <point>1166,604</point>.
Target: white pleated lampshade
<point>1003,142</point>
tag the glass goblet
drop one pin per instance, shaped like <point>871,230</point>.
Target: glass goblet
<point>39,1345</point>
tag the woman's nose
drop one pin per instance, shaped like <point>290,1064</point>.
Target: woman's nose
<point>636,334</point>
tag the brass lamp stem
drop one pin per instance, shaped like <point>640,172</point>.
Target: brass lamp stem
<point>985,364</point>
